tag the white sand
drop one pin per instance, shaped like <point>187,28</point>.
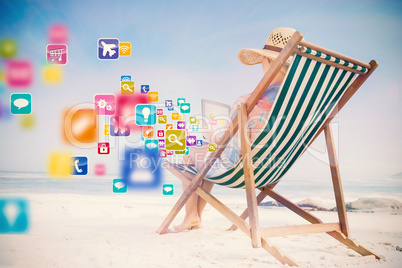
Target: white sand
<point>71,230</point>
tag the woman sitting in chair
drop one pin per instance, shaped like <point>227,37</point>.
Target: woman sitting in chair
<point>195,205</point>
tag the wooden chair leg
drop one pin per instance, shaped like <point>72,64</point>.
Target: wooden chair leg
<point>336,180</point>
<point>249,177</point>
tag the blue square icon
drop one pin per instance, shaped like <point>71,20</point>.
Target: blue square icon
<point>21,103</point>
<point>108,48</point>
<point>126,78</point>
<point>79,165</point>
<point>141,169</point>
<point>145,114</point>
<point>194,127</point>
<point>170,108</point>
<point>151,145</point>
<point>144,89</point>
<point>119,186</point>
<point>14,215</point>
<point>185,108</point>
<point>199,143</point>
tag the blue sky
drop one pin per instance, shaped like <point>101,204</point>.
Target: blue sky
<point>189,49</point>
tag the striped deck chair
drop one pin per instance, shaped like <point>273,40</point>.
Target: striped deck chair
<point>317,85</point>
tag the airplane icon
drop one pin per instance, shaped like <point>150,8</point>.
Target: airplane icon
<point>108,48</point>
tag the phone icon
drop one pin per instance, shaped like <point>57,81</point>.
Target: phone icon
<point>80,165</point>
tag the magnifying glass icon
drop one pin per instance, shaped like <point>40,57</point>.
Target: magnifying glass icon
<point>173,138</point>
<point>127,87</point>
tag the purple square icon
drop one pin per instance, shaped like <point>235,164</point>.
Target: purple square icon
<point>181,125</point>
<point>168,103</point>
<point>161,143</point>
<point>108,48</point>
<point>191,140</point>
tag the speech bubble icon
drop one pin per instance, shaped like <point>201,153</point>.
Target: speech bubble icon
<point>167,189</point>
<point>119,185</point>
<point>21,103</point>
<point>151,145</point>
<point>185,107</point>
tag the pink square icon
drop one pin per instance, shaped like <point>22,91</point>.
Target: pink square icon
<point>100,169</point>
<point>169,152</point>
<point>161,133</point>
<point>19,73</point>
<point>159,111</point>
<point>56,54</point>
<point>58,34</point>
<point>104,104</point>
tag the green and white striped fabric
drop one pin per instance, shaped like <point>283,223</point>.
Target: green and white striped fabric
<point>305,100</point>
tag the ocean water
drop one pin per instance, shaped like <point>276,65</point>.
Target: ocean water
<point>19,184</point>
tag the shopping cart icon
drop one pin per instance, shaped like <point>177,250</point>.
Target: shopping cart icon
<point>56,54</point>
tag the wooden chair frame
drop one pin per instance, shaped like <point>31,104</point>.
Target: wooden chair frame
<point>338,230</point>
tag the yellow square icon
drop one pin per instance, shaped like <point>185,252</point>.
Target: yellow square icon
<point>59,164</point>
<point>198,122</point>
<point>52,74</point>
<point>106,130</point>
<point>125,49</point>
<point>221,122</point>
<point>212,147</point>
<point>175,139</point>
<point>153,96</point>
<point>162,119</point>
<point>127,87</point>
<point>175,116</point>
<point>181,118</point>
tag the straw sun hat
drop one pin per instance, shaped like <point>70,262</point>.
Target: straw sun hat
<point>278,38</point>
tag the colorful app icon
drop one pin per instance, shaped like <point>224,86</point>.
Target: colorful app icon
<point>185,108</point>
<point>180,101</point>
<point>162,119</point>
<point>56,54</point>
<point>59,164</point>
<point>103,148</point>
<point>181,125</point>
<point>198,122</point>
<point>125,48</point>
<point>161,133</point>
<point>193,120</point>
<point>125,78</point>
<point>181,118</point>
<point>80,126</point>
<point>58,34</point>
<point>145,114</point>
<point>170,108</point>
<point>214,121</point>
<point>153,96</point>
<point>52,74</point>
<point>106,130</point>
<point>119,186</point>
<point>162,153</point>
<point>144,89</point>
<point>142,169</point>
<point>151,145</point>
<point>118,126</point>
<point>169,152</point>
<point>19,73</point>
<point>127,87</point>
<point>175,116</point>
<point>169,126</point>
<point>126,108</point>
<point>199,143</point>
<point>21,103</point>
<point>211,115</point>
<point>194,127</point>
<point>108,48</point>
<point>27,121</point>
<point>168,103</point>
<point>14,215</point>
<point>8,48</point>
<point>79,165</point>
<point>180,151</point>
<point>104,104</point>
<point>161,143</point>
<point>175,139</point>
<point>221,122</point>
<point>148,131</point>
<point>191,140</point>
<point>212,147</point>
<point>167,189</point>
<point>100,169</point>
<point>159,111</point>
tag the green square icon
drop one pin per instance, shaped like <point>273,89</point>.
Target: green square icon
<point>119,186</point>
<point>8,48</point>
<point>21,103</point>
<point>167,189</point>
<point>193,120</point>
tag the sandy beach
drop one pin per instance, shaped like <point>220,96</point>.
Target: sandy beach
<point>78,230</point>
